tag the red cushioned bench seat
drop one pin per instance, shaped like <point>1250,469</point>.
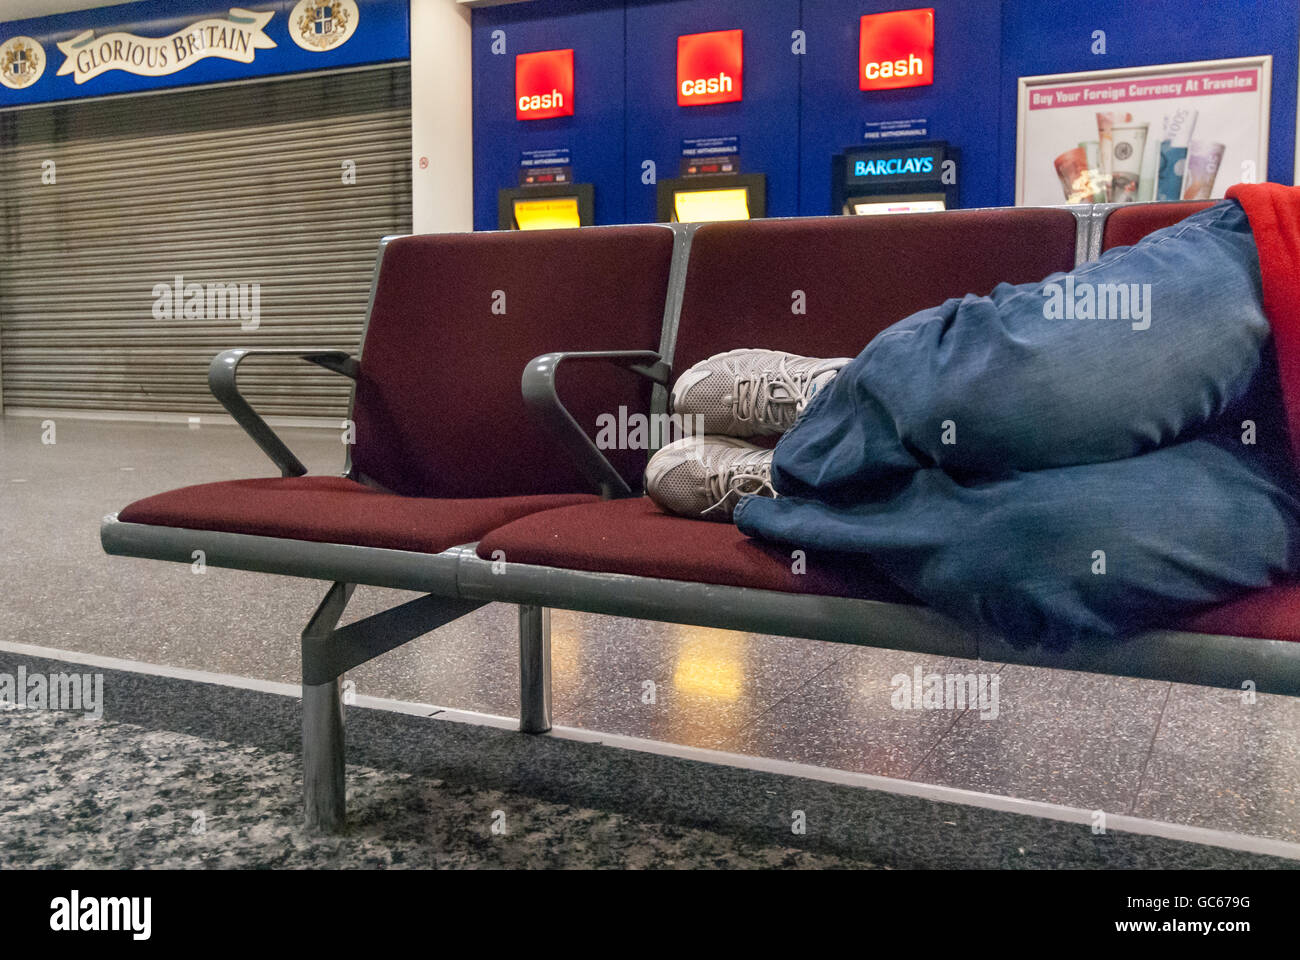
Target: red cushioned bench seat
<point>858,275</point>
<point>465,431</point>
<point>1126,225</point>
<point>444,447</point>
<point>636,538</point>
<point>335,510</point>
<point>1273,613</point>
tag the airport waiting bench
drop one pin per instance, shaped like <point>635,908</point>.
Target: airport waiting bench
<point>470,485</point>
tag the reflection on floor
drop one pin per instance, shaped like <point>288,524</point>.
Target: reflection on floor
<point>1155,750</point>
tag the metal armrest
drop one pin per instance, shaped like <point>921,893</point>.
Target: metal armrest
<point>221,380</point>
<point>542,399</point>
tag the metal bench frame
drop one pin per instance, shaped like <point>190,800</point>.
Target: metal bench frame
<point>456,581</point>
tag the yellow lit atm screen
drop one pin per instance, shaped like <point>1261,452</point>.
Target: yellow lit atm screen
<point>549,214</point>
<point>695,206</point>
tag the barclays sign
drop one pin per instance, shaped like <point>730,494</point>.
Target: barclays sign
<point>893,166</point>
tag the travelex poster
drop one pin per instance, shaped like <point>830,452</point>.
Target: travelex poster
<point>1177,132</point>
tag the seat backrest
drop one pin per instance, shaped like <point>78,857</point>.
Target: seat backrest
<point>1126,225</point>
<point>456,317</point>
<point>853,276</point>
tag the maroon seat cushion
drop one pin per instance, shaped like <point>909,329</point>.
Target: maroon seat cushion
<point>857,275</point>
<point>335,510</point>
<point>1272,613</point>
<point>1127,225</point>
<point>456,317</point>
<point>635,537</point>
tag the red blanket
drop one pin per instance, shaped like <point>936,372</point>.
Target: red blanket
<point>1274,214</point>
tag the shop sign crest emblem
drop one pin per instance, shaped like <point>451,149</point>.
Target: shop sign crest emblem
<point>22,61</point>
<point>320,25</point>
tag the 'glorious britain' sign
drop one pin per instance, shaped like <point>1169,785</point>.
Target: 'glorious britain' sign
<point>237,38</point>
<point>165,44</point>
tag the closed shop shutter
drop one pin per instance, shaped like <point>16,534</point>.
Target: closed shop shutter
<point>239,189</point>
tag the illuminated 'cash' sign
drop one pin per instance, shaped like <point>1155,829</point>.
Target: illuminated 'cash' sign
<point>710,67</point>
<point>896,50</point>
<point>544,85</point>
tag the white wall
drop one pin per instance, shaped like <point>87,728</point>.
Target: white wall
<point>442,129</point>
<point>22,9</point>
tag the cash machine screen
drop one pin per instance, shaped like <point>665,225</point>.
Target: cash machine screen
<point>695,206</point>
<point>549,213</point>
<point>874,207</point>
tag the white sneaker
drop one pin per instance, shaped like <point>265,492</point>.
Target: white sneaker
<point>704,477</point>
<point>750,393</point>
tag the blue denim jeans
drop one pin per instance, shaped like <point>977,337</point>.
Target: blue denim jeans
<point>1054,470</point>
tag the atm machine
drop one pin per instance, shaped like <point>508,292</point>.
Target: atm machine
<point>546,199</point>
<point>709,184</point>
<point>893,179</point>
<point>545,196</point>
<point>546,206</point>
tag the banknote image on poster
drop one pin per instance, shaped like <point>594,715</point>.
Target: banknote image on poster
<point>1184,131</point>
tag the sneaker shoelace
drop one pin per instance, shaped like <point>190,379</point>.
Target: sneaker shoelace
<point>737,480</point>
<point>754,397</point>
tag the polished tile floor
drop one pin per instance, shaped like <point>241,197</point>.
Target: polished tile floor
<point>1157,750</point>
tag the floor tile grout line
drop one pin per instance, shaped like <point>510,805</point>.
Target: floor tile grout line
<point>758,715</point>
<point>911,774</point>
<point>1151,749</point>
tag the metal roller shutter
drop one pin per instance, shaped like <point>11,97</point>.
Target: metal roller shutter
<point>238,184</point>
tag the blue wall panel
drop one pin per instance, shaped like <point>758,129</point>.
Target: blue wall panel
<point>766,120</point>
<point>799,110</point>
<point>961,105</point>
<point>594,134</point>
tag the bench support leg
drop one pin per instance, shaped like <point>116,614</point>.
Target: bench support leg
<point>323,757</point>
<point>322,721</point>
<point>328,652</point>
<point>534,669</point>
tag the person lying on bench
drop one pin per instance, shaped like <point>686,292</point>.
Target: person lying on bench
<point>1086,456</point>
